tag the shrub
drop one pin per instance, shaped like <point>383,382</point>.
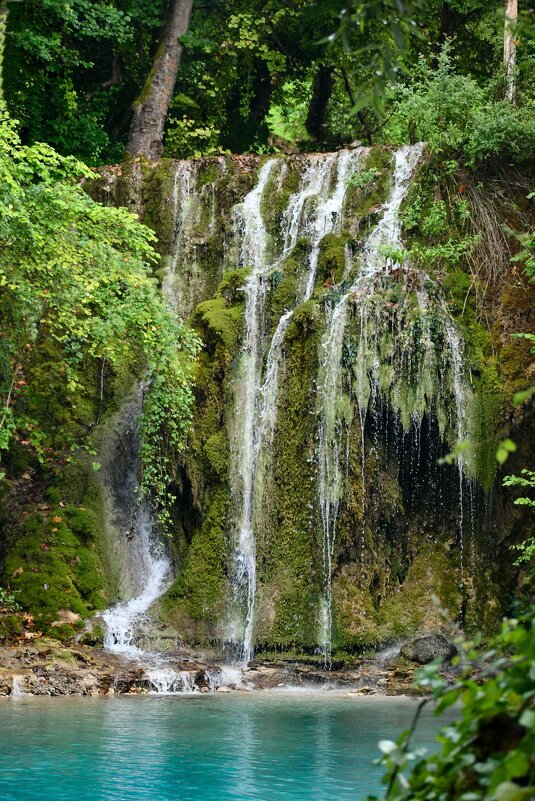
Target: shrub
<point>487,754</point>
<point>457,117</point>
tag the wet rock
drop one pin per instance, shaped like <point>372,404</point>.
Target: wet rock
<point>425,649</point>
<point>366,690</point>
<point>264,677</point>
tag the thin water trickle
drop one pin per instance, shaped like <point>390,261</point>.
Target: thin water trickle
<point>17,686</point>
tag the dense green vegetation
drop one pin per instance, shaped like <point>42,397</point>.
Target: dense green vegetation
<point>79,308</point>
<point>488,753</point>
<point>269,75</point>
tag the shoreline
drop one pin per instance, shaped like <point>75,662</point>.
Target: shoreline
<point>49,668</point>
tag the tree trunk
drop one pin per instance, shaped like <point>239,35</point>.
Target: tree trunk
<point>150,110</point>
<point>509,48</point>
<point>3,26</point>
<point>317,111</point>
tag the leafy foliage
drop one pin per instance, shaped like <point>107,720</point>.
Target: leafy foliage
<point>73,67</point>
<point>8,601</point>
<point>265,72</point>
<point>527,481</point>
<point>486,755</point>
<point>457,117</point>
<point>75,285</point>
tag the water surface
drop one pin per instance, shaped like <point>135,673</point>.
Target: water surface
<point>239,747</point>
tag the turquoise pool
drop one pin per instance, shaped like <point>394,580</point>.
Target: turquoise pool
<point>239,747</point>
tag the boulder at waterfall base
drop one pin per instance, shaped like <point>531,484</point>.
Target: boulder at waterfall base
<point>425,649</point>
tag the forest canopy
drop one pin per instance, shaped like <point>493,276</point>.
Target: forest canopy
<point>267,76</point>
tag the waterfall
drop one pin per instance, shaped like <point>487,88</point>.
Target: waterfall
<point>380,352</point>
<point>313,211</point>
<point>146,566</point>
<point>323,219</point>
<point>152,569</point>
<point>253,254</point>
<point>374,262</point>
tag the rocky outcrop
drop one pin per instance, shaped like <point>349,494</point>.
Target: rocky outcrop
<point>47,668</point>
<point>423,650</point>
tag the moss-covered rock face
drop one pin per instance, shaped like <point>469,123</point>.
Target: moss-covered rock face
<point>374,355</point>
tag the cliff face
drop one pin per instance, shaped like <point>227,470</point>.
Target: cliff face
<point>355,332</point>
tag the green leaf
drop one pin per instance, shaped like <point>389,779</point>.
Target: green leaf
<point>527,719</point>
<point>509,791</point>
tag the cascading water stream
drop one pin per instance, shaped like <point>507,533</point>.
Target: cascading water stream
<point>145,559</point>
<point>313,211</point>
<point>152,577</point>
<point>253,254</point>
<point>373,263</point>
<point>323,219</point>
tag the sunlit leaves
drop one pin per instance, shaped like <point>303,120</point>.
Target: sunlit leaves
<point>77,275</point>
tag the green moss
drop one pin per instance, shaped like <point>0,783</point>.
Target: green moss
<point>332,257</point>
<point>215,319</point>
<point>93,636</point>
<point>209,173</point>
<point>197,593</point>
<point>288,560</point>
<point>282,183</point>
<point>53,564</point>
<point>232,285</point>
<point>216,450</point>
<point>355,617</point>
<point>10,627</point>
<point>434,572</point>
<point>363,202</point>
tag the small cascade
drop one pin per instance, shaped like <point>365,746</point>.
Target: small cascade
<point>152,577</point>
<point>374,262</point>
<point>165,680</point>
<point>17,686</point>
<point>145,567</point>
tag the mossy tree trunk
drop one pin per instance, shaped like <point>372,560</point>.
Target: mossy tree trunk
<point>509,48</point>
<point>150,110</point>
